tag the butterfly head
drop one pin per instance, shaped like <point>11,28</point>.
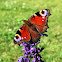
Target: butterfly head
<point>45,12</point>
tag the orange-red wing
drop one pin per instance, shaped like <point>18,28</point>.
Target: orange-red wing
<point>25,35</point>
<point>22,35</point>
<point>38,20</point>
<point>40,23</point>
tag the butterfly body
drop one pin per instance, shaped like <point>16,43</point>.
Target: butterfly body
<point>30,31</point>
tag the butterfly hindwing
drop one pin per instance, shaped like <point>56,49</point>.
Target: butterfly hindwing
<point>23,35</point>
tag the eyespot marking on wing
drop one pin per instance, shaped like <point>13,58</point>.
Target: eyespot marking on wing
<point>43,12</point>
<point>17,38</point>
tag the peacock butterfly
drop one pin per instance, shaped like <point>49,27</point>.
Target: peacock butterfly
<point>30,31</point>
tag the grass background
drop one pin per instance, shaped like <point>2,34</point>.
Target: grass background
<point>11,14</point>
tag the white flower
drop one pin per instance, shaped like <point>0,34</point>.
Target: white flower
<point>10,29</point>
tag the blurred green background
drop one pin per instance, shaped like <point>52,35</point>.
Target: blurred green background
<point>11,14</point>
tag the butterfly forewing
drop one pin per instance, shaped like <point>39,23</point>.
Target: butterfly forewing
<point>40,20</point>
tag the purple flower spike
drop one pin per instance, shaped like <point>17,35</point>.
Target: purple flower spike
<point>37,43</point>
<point>34,60</point>
<point>23,59</point>
<point>20,59</point>
<point>26,59</point>
<point>22,44</point>
<point>23,49</point>
<point>27,53</point>
<point>31,52</point>
<point>32,45</point>
<point>38,57</point>
<point>27,47</point>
